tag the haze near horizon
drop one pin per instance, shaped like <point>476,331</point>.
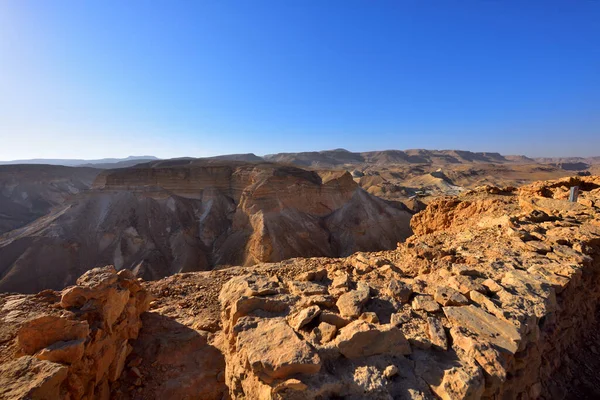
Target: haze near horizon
<point>90,80</point>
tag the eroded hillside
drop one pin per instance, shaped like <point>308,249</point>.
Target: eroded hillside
<point>28,192</point>
<point>494,297</point>
<point>191,215</point>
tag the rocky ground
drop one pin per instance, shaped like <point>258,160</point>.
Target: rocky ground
<point>494,297</point>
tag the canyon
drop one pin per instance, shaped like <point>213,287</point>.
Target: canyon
<point>494,296</point>
<point>161,217</point>
<point>175,216</point>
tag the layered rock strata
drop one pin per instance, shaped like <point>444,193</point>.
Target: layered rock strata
<point>166,218</point>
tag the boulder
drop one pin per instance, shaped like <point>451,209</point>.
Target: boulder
<point>436,332</point>
<point>304,316</point>
<point>499,332</point>
<point>63,352</point>
<point>350,304</point>
<point>399,290</point>
<point>30,378</point>
<point>425,303</point>
<point>362,339</point>
<point>325,332</point>
<point>272,348</point>
<point>449,297</point>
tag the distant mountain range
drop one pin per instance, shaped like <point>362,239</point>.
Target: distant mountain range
<point>340,158</point>
<point>101,163</point>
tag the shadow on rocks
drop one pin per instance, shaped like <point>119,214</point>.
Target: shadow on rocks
<point>172,361</point>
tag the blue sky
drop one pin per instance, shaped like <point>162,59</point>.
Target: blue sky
<point>92,79</point>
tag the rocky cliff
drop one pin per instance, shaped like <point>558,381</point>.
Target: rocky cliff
<point>495,297</point>
<point>188,215</point>
<point>487,303</point>
<point>71,344</point>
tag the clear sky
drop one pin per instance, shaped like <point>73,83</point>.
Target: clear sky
<point>93,79</point>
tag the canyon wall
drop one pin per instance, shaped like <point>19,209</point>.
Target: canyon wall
<point>165,218</point>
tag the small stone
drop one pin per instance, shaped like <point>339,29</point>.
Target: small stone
<point>449,297</point>
<point>350,304</point>
<point>400,317</point>
<point>361,265</point>
<point>136,372</point>
<point>426,303</point>
<point>390,371</point>
<point>370,317</point>
<point>464,284</point>
<point>341,281</point>
<point>463,269</point>
<point>290,384</point>
<point>304,316</point>
<point>306,288</point>
<point>334,319</point>
<point>361,339</point>
<point>491,285</point>
<point>437,334</point>
<point>325,332</point>
<point>318,275</point>
<point>380,262</point>
<point>399,290</point>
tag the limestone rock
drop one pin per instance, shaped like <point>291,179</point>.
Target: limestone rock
<point>437,335</point>
<point>38,333</point>
<point>499,332</point>
<point>334,319</point>
<point>306,288</point>
<point>273,348</point>
<point>29,378</point>
<point>63,352</point>
<point>399,290</point>
<point>304,316</point>
<point>350,304</point>
<point>425,303</point>
<point>325,332</point>
<point>459,383</point>
<point>370,317</point>
<point>390,371</point>
<point>70,345</point>
<point>361,339</point>
<point>449,297</point>
<point>341,281</point>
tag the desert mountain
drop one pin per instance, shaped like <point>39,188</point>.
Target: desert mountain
<point>341,157</point>
<point>101,163</point>
<point>561,160</point>
<point>176,216</point>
